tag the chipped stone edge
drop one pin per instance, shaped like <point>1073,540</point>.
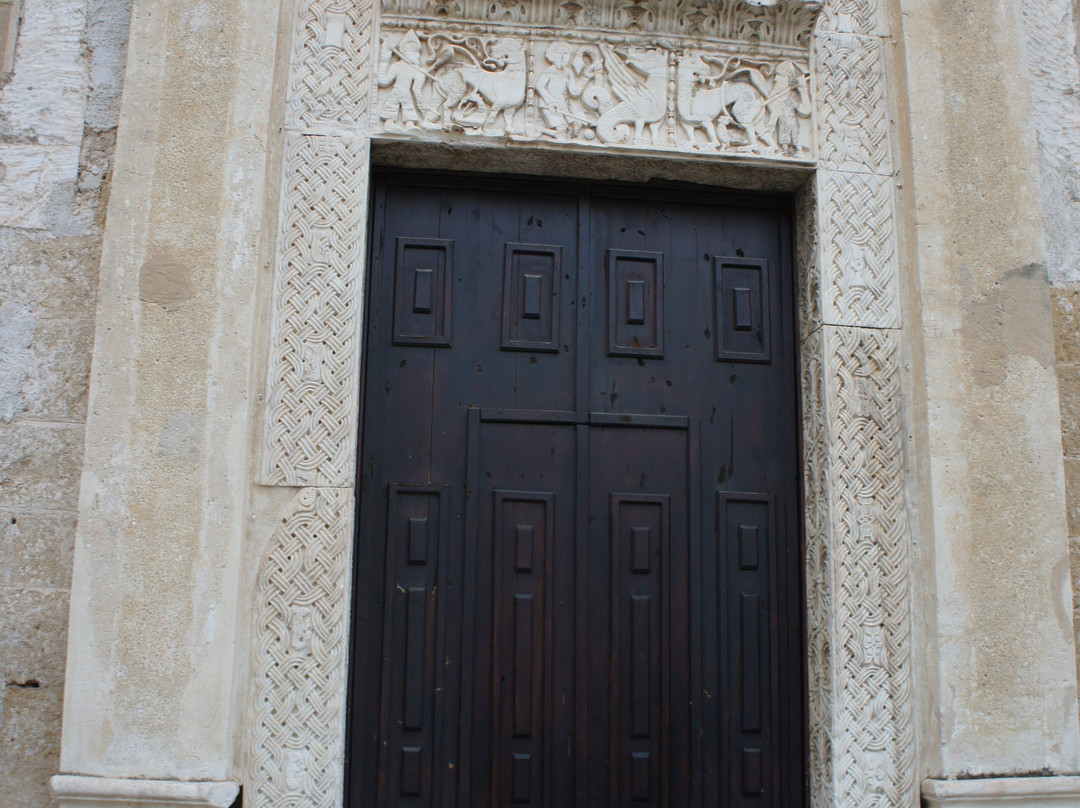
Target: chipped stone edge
<point>83,791</point>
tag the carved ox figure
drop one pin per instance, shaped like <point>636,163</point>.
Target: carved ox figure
<point>496,81</point>
<point>710,100</point>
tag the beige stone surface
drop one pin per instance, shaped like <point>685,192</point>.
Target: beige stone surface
<point>29,743</point>
<point>57,129</point>
<point>40,465</point>
<point>1006,692</point>
<point>36,547</point>
<point>1069,391</point>
<point>162,505</point>
<point>1066,303</point>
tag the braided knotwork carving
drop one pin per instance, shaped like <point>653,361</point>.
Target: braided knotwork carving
<point>860,286</point>
<point>867,562</point>
<point>818,557</point>
<point>301,642</point>
<point>849,16</point>
<point>807,258</point>
<point>853,113</point>
<point>315,350</point>
<point>330,76</point>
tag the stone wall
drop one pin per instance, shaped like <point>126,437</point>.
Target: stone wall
<point>58,116</point>
<point>1051,29</point>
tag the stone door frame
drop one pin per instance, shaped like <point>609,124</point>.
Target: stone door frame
<point>858,555</point>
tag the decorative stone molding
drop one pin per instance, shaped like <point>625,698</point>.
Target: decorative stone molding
<point>652,77</point>
<point>1003,792</point>
<point>819,589</point>
<point>318,299</point>
<point>858,570</point>
<point>80,791</point>
<point>778,22</point>
<point>730,77</point>
<point>300,655</point>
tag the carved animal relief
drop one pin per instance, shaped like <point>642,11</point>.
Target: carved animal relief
<point>604,83</point>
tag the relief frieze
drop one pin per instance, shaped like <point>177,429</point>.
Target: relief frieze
<point>592,88</point>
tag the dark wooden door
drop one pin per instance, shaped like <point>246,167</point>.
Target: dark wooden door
<point>578,542</point>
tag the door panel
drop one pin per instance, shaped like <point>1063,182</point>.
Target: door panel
<point>578,547</point>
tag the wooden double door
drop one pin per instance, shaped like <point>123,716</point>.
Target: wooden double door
<point>578,547</point>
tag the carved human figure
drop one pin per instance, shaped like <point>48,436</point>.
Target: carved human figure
<point>405,78</point>
<point>556,86</point>
<point>554,90</point>
<point>789,101</point>
<point>300,629</point>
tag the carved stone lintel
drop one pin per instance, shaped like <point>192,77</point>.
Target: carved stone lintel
<point>746,98</point>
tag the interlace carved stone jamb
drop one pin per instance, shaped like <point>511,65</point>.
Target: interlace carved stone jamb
<point>300,654</point>
<point>728,78</point>
<point>859,570</point>
<point>315,344</point>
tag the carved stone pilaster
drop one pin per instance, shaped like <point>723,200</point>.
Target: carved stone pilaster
<point>854,119</point>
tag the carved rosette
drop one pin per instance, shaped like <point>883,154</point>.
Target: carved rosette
<point>728,78</point>
<point>300,655</point>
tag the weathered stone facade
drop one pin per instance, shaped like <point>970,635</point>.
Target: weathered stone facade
<point>59,106</point>
<point>216,498</point>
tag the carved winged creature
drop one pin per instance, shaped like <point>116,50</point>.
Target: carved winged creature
<point>640,84</point>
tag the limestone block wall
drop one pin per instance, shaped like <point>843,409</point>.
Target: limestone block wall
<point>1051,32</point>
<point>58,118</point>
